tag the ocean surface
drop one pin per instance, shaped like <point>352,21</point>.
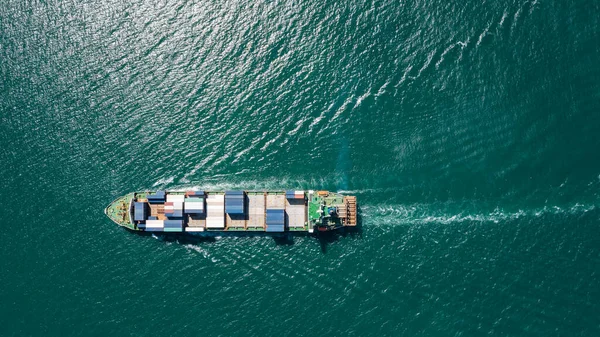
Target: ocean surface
<point>468,130</point>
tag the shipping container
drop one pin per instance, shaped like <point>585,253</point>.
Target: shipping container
<point>175,197</point>
<point>216,197</point>
<point>173,223</point>
<point>195,193</point>
<point>215,222</point>
<point>194,229</point>
<point>174,207</point>
<point>275,217</point>
<point>275,220</point>
<point>157,198</point>
<point>193,207</point>
<point>215,211</point>
<point>234,202</point>
<point>234,208</point>
<point>232,193</point>
<point>155,223</point>
<point>174,214</point>
<point>139,211</point>
<point>275,228</point>
<point>294,194</point>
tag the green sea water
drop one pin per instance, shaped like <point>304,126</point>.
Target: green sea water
<point>468,130</point>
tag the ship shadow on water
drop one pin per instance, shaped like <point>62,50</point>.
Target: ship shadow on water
<point>181,238</point>
<point>327,238</point>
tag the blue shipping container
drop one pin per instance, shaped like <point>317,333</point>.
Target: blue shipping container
<point>234,202</point>
<point>139,211</point>
<point>234,210</point>
<point>273,228</point>
<point>275,217</point>
<point>159,197</point>
<point>173,223</point>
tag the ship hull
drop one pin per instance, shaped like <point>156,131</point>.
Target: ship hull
<point>218,213</point>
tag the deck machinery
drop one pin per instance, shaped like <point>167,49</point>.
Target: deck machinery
<point>233,211</point>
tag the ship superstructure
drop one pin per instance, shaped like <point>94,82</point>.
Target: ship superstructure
<point>233,211</point>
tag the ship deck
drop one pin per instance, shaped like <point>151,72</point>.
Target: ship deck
<point>118,211</point>
<point>253,213</point>
<point>296,213</point>
<point>256,211</point>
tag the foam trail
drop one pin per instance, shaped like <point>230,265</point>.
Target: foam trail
<point>163,182</point>
<point>420,214</point>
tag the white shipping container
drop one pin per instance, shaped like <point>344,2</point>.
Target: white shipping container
<point>215,211</point>
<point>215,207</point>
<point>215,222</point>
<point>194,229</point>
<point>175,197</point>
<point>216,199</point>
<point>196,206</point>
<point>155,223</point>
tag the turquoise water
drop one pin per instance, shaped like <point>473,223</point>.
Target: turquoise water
<point>469,132</point>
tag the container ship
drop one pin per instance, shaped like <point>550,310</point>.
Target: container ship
<point>202,212</point>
